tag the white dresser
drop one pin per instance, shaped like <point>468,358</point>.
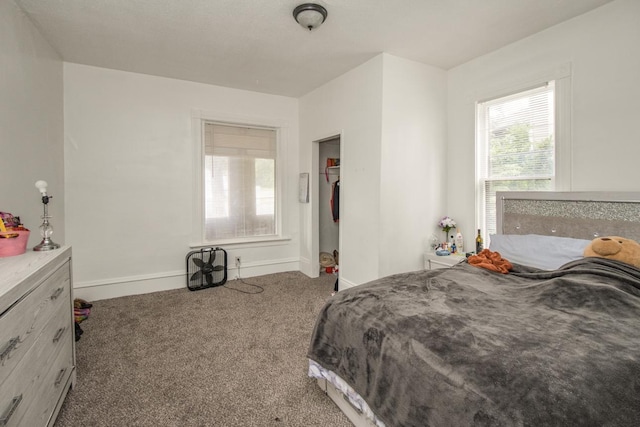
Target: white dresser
<point>37,339</point>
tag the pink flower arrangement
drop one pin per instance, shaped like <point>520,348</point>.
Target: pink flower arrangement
<point>446,224</point>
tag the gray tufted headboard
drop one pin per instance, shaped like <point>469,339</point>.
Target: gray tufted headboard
<point>581,215</point>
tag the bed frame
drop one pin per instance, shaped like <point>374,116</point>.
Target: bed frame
<point>355,416</point>
<point>580,215</point>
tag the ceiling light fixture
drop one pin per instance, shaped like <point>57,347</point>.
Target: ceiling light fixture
<point>310,15</point>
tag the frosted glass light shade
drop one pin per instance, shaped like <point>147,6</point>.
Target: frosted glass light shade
<point>310,15</point>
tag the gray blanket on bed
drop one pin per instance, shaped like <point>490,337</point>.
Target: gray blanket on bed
<point>468,347</point>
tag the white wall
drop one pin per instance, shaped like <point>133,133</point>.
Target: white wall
<point>391,113</point>
<point>352,105</point>
<point>128,148</point>
<point>31,123</point>
<point>412,161</point>
<point>129,160</point>
<point>601,48</point>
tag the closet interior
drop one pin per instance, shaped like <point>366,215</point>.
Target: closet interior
<point>329,204</point>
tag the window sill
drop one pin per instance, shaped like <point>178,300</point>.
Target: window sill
<point>239,243</point>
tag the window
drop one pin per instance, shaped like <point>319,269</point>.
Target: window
<point>239,182</point>
<point>516,148</point>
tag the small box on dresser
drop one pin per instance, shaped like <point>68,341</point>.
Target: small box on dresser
<point>37,339</point>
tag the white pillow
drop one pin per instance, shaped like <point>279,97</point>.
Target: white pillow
<point>543,252</point>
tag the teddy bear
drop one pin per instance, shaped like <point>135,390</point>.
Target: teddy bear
<point>614,247</point>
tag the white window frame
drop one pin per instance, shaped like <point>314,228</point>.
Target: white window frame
<point>198,236</point>
<point>561,76</point>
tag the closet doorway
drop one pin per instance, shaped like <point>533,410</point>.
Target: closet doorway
<point>328,227</point>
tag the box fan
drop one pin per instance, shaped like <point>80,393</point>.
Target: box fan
<point>206,267</point>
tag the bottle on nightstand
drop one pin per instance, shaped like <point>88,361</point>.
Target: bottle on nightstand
<point>459,242</point>
<point>479,245</point>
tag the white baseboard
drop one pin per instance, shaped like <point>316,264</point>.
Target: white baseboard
<point>345,284</point>
<point>144,284</point>
<point>309,268</point>
<point>132,285</point>
<point>264,267</point>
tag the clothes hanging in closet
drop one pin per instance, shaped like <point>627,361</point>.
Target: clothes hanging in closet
<point>335,201</point>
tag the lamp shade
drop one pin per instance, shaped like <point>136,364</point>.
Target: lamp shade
<point>310,15</point>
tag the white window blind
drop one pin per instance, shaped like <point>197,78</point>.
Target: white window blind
<point>516,147</point>
<point>239,181</point>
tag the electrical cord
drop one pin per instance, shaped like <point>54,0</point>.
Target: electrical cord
<point>259,289</point>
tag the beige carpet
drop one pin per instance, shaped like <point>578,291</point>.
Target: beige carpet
<point>213,357</point>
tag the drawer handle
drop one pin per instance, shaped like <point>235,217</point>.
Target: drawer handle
<point>60,377</point>
<point>11,345</point>
<point>10,410</point>
<point>56,338</point>
<point>57,293</point>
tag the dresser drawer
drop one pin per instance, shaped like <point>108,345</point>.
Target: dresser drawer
<point>23,389</point>
<point>12,408</point>
<point>23,323</point>
<point>52,381</point>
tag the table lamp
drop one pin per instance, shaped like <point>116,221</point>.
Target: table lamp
<point>46,230</point>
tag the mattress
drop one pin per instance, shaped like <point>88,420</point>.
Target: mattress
<point>466,346</point>
<point>354,399</point>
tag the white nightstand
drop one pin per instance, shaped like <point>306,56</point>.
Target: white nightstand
<point>433,261</point>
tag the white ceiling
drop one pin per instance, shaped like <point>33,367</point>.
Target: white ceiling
<point>257,45</point>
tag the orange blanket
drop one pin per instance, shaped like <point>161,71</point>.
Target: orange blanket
<point>491,261</point>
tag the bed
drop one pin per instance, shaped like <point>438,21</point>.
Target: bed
<point>462,346</point>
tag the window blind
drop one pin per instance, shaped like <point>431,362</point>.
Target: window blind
<point>226,140</point>
<point>517,138</point>
<point>239,181</point>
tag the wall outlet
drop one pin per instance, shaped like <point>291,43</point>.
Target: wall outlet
<point>237,261</point>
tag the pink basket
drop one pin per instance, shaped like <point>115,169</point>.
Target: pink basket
<point>11,245</point>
